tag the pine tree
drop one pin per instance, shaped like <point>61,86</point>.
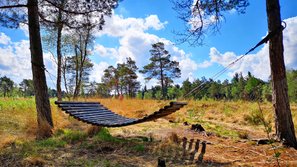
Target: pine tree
<point>6,86</point>
<point>161,67</point>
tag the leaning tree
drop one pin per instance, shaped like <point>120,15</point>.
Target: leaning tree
<point>204,16</point>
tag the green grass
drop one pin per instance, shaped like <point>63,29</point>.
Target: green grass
<point>51,143</point>
<point>219,130</point>
<point>104,136</point>
<point>139,147</point>
<point>60,140</point>
<point>73,136</point>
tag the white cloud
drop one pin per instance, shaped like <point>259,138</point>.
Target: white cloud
<point>97,72</point>
<point>25,29</point>
<point>15,62</point>
<point>290,43</point>
<point>204,64</point>
<point>4,39</point>
<point>102,51</point>
<point>118,26</point>
<point>154,22</point>
<point>258,63</point>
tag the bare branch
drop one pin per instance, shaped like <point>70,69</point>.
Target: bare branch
<point>13,6</point>
<point>203,17</point>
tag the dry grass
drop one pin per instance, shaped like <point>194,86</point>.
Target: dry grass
<point>18,119</point>
<point>232,124</point>
<point>133,108</point>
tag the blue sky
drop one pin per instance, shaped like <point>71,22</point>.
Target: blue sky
<point>136,24</point>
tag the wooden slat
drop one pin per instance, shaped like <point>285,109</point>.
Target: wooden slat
<point>75,102</point>
<point>86,110</point>
<point>81,108</point>
<point>79,105</point>
<point>92,113</point>
<point>109,119</point>
<point>98,116</point>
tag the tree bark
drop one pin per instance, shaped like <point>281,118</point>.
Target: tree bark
<point>162,79</point>
<point>44,117</point>
<point>75,93</point>
<point>59,56</point>
<point>283,118</point>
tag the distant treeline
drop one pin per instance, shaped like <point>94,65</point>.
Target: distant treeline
<point>238,88</point>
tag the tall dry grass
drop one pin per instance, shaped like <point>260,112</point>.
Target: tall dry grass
<point>133,108</point>
<point>18,119</point>
<point>18,115</point>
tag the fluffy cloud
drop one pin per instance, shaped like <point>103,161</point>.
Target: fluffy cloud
<point>258,63</point>
<point>290,43</point>
<point>105,52</point>
<point>117,25</point>
<point>25,29</point>
<point>97,72</point>
<point>4,39</point>
<point>15,62</point>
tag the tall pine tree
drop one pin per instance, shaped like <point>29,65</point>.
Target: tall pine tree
<point>161,67</point>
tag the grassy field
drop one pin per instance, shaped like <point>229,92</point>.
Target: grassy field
<point>231,129</point>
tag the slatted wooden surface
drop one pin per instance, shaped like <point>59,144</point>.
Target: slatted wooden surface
<point>96,114</point>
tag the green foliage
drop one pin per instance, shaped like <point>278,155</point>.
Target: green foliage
<point>266,92</point>
<point>148,95</point>
<point>104,135</point>
<point>220,130</point>
<point>51,143</point>
<point>6,86</point>
<point>73,136</point>
<point>254,118</point>
<point>158,95</point>
<point>174,92</point>
<point>195,115</point>
<point>186,87</point>
<point>191,113</point>
<point>123,79</point>
<point>139,148</point>
<point>26,87</point>
<point>34,147</point>
<point>292,84</point>
<point>28,149</point>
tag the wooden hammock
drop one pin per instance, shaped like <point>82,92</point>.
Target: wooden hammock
<point>96,114</point>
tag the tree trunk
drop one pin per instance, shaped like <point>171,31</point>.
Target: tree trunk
<point>162,79</point>
<point>283,118</point>
<point>75,93</point>
<point>44,117</point>
<point>59,56</point>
